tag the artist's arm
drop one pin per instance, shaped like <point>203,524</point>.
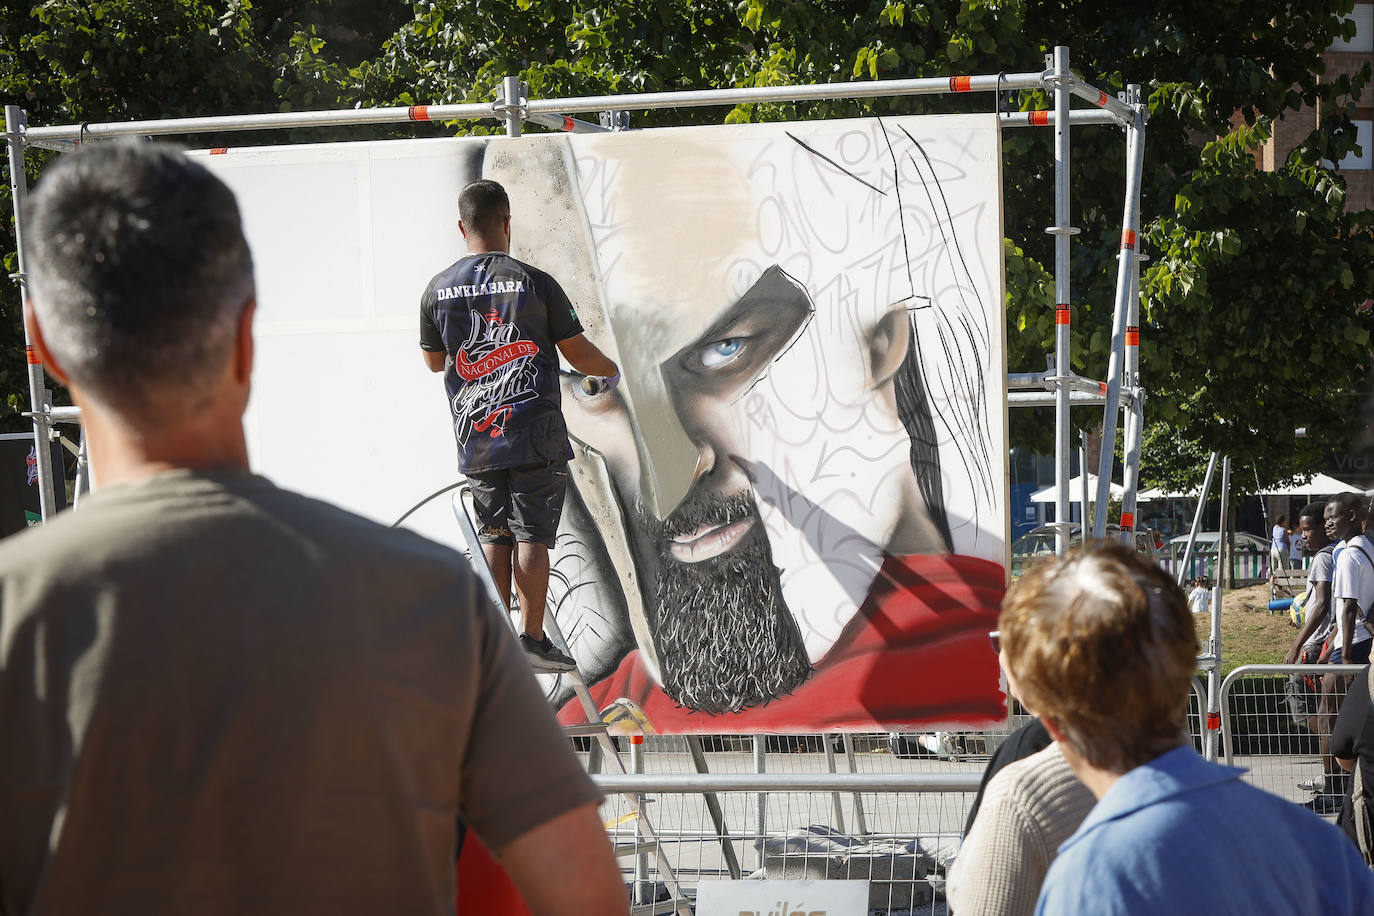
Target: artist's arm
<point>431,340</point>
<point>585,357</point>
<point>1321,593</point>
<point>565,867</point>
<point>433,360</point>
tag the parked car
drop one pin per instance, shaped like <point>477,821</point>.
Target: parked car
<point>1039,542</point>
<point>1249,562</point>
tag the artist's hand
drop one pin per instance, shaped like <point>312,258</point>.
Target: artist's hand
<point>593,385</point>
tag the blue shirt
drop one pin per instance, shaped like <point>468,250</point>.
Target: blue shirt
<point>1181,835</point>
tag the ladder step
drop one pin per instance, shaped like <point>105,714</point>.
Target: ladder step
<point>633,849</point>
<point>544,667</point>
<point>661,907</point>
<point>580,731</point>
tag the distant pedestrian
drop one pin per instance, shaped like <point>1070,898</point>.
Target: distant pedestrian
<point>1278,546</point>
<point>1295,547</point>
<point>1200,598</point>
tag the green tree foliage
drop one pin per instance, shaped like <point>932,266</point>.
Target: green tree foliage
<point>74,61</point>
<point>1253,318</point>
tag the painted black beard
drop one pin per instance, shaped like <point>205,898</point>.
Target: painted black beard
<point>725,639</point>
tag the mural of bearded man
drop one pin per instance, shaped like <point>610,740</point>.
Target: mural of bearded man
<point>801,482</point>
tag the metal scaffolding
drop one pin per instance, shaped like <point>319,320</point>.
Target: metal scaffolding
<point>1059,385</point>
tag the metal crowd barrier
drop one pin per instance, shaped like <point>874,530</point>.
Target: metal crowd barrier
<point>886,808</point>
<point>892,812</point>
<point>1260,735</point>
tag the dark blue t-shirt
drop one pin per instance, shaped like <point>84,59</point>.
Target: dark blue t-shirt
<point>498,320</point>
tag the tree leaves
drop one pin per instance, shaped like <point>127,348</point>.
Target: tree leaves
<point>1254,315</point>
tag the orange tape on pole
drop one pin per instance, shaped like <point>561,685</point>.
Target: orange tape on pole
<point>961,83</point>
<point>1128,239</point>
<point>568,124</point>
<point>1133,337</point>
<point>1061,314</point>
<point>1038,118</point>
<point>1101,387</point>
<point>1127,521</point>
<point>31,355</point>
<point>419,112</point>
<point>219,151</point>
<point>1101,98</point>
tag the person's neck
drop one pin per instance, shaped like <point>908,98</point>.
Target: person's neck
<point>1098,779</point>
<point>477,245</point>
<point>121,452</point>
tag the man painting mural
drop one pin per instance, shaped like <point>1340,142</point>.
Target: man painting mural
<point>797,557</point>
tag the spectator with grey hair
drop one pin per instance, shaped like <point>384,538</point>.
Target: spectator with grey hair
<point>217,696</point>
<point>1103,647</point>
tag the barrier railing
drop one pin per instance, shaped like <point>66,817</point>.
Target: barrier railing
<point>1263,735</point>
<point>895,818</point>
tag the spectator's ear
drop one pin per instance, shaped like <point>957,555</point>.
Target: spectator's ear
<point>1053,728</point>
<point>243,344</point>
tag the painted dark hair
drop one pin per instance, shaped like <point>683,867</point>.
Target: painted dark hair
<point>913,408</point>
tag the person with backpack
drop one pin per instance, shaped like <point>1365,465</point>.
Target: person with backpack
<point>1352,584</point>
<point>1352,741</point>
<point>1304,691</point>
<point>1352,594</point>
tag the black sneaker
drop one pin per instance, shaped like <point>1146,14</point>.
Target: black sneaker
<point>545,655</point>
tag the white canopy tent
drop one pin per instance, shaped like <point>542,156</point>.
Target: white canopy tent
<point>1319,485</point>
<point>1050,494</point>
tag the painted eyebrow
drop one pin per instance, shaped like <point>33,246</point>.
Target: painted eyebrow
<point>774,284</point>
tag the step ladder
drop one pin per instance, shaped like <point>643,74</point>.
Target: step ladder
<point>599,725</point>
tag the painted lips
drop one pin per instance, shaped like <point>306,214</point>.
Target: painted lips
<point>708,541</point>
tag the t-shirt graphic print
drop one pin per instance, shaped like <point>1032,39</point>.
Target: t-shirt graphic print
<point>498,319</point>
<point>498,372</point>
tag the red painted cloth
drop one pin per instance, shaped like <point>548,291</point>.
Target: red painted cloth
<point>916,654</point>
<point>484,888</point>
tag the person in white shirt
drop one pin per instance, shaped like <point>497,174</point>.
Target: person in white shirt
<point>1295,546</point>
<point>1352,584</point>
<point>1200,598</point>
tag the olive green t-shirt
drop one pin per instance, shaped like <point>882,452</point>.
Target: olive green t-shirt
<point>219,696</point>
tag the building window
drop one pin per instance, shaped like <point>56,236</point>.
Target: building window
<point>1364,135</point>
<point>1363,42</point>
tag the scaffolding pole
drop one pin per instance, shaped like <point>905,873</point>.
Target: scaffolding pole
<point>39,395</point>
<point>1062,232</point>
<point>1125,276</point>
<point>1064,388</point>
<point>1135,408</point>
<point>559,108</point>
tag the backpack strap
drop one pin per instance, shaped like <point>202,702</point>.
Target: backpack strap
<point>1364,611</point>
<point>1360,803</point>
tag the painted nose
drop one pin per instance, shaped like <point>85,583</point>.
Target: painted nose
<point>706,461</point>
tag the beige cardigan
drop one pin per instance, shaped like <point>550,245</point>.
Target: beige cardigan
<point>1028,810</point>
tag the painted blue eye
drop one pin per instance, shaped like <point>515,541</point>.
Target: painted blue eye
<point>717,354</point>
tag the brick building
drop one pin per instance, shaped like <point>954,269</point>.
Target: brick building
<point>1341,58</point>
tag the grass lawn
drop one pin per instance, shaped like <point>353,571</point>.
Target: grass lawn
<point>1250,635</point>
